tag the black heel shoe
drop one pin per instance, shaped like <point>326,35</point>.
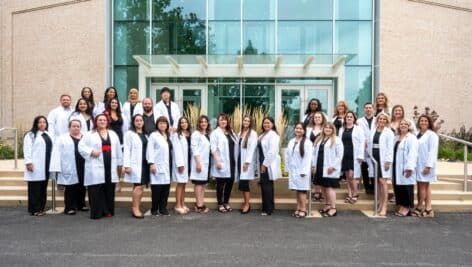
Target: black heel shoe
<point>247,211</point>
<point>328,214</point>
<point>136,216</point>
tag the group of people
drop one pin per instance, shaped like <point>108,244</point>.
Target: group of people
<point>90,147</point>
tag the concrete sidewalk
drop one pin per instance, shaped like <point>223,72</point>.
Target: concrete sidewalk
<point>444,168</point>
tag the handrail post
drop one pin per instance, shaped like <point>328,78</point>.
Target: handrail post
<point>16,149</point>
<point>465,168</point>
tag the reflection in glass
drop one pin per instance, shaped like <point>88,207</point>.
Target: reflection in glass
<point>258,9</point>
<point>186,9</point>
<point>131,10</point>
<point>259,38</point>
<point>313,37</point>
<point>224,38</point>
<point>291,108</point>
<point>222,98</point>
<point>192,97</point>
<point>130,38</point>
<point>224,10</point>
<point>259,95</point>
<point>353,10</point>
<point>355,37</point>
<point>177,36</point>
<point>358,88</point>
<point>305,9</point>
<point>124,79</point>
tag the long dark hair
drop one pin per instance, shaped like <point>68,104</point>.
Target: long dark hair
<point>228,127</point>
<point>105,98</point>
<point>133,127</point>
<point>179,128</point>
<point>273,123</point>
<point>246,138</point>
<point>430,122</point>
<point>90,100</point>
<point>118,108</point>
<point>302,142</point>
<point>34,129</point>
<point>353,115</point>
<point>308,110</point>
<point>163,119</point>
<point>89,109</point>
<point>203,117</point>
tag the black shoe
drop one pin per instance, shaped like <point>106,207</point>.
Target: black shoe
<point>164,212</point>
<point>84,209</point>
<point>136,216</point>
<point>247,211</point>
<point>154,213</point>
<point>70,212</point>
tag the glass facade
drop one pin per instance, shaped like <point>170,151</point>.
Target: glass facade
<point>292,28</point>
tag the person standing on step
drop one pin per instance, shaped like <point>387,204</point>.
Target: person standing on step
<point>149,116</point>
<point>159,157</point>
<point>37,148</point>
<point>298,165</point>
<point>247,145</point>
<point>168,109</point>
<point>367,123</point>
<point>133,106</point>
<point>269,163</point>
<point>339,114</point>
<point>428,143</point>
<point>87,94</point>
<point>381,104</point>
<point>326,164</point>
<point>200,163</point>
<point>67,162</point>
<point>313,132</point>
<point>313,106</point>
<point>103,156</point>
<point>134,162</point>
<point>110,93</point>
<point>58,118</point>
<point>83,113</point>
<point>224,153</point>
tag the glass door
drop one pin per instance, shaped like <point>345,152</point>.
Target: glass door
<point>183,95</point>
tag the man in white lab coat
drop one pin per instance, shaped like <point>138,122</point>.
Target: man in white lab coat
<point>367,123</point>
<point>58,118</point>
<point>168,109</point>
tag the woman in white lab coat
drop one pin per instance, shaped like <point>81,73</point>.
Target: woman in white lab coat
<point>67,162</point>
<point>313,130</point>
<point>84,114</point>
<point>200,163</point>
<point>339,113</point>
<point>87,94</point>
<point>118,123</point>
<point>298,165</point>
<point>381,104</point>
<point>223,166</point>
<point>133,106</point>
<point>353,140</point>
<point>269,163</point>
<point>405,153</point>
<point>159,156</point>
<point>110,93</point>
<point>247,145</point>
<point>313,106</point>
<point>37,148</point>
<point>181,168</point>
<point>103,160</point>
<point>428,143</point>
<point>326,164</point>
<point>398,114</point>
<point>381,148</point>
<point>135,163</point>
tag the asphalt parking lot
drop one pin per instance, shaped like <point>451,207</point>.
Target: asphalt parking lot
<point>350,239</point>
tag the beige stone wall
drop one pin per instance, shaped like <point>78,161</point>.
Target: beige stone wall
<point>426,57</point>
<point>48,47</point>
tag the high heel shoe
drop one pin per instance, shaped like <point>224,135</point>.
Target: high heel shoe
<point>246,211</point>
<point>328,214</point>
<point>137,216</point>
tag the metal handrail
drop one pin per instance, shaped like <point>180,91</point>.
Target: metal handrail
<point>466,144</point>
<point>376,176</point>
<point>16,142</point>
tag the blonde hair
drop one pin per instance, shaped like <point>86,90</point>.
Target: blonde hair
<point>410,126</point>
<point>383,114</point>
<point>133,90</point>
<point>341,103</point>
<point>376,105</point>
<point>323,136</point>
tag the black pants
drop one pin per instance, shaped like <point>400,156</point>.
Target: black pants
<point>101,200</point>
<point>71,197</point>
<point>267,193</point>
<point>224,186</point>
<point>404,195</point>
<point>368,181</point>
<point>159,195</point>
<point>37,196</point>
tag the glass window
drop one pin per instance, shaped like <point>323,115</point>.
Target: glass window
<point>179,37</point>
<point>126,77</point>
<point>185,9</point>
<point>355,37</point>
<point>191,97</point>
<point>224,10</point>
<point>130,38</point>
<point>262,95</point>
<point>291,108</point>
<point>358,88</point>
<point>224,38</point>
<point>222,98</point>
<point>131,10</point>
<point>258,9</point>
<point>313,37</point>
<point>259,38</point>
<point>305,9</point>
<point>354,10</point>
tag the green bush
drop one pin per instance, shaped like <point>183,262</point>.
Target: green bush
<point>450,150</point>
<point>6,152</point>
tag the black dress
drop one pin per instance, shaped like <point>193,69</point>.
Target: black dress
<point>267,186</point>
<point>117,127</point>
<point>338,123</point>
<point>348,157</point>
<point>243,185</point>
<point>376,152</point>
<point>404,195</point>
<point>324,181</point>
<point>74,195</point>
<point>189,157</point>
<point>145,173</point>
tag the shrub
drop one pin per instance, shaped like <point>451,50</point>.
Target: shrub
<point>6,152</point>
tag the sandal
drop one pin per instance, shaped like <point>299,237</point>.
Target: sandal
<point>324,210</point>
<point>399,214</point>
<point>295,213</point>
<point>227,207</point>
<point>354,199</point>
<point>348,199</point>
<point>38,213</point>
<point>222,209</point>
<point>428,213</point>
<point>301,214</point>
<point>417,212</point>
<point>328,214</point>
<point>202,209</point>
<point>316,196</point>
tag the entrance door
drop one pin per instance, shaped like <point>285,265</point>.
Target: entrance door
<point>183,95</point>
<point>294,99</point>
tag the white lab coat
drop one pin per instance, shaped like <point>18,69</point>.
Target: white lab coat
<point>133,156</point>
<point>160,109</point>
<point>126,111</point>
<point>427,156</point>
<point>63,160</point>
<point>296,165</point>
<point>386,150</point>
<point>362,122</point>
<point>200,147</point>
<point>247,156</point>
<point>358,142</point>
<point>413,126</point>
<point>158,154</point>
<point>220,146</point>
<point>34,151</point>
<point>58,121</point>
<point>181,153</point>
<point>405,159</point>
<point>83,122</point>
<point>270,148</point>
<point>100,108</point>
<point>332,157</point>
<point>95,167</point>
